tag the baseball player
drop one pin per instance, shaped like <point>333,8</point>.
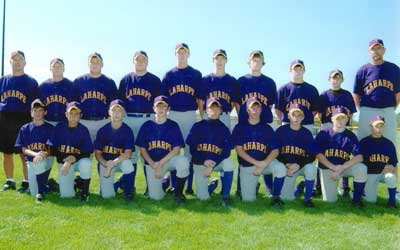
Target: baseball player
<point>256,84</point>
<point>94,92</point>
<point>331,99</point>
<point>113,148</point>
<point>297,91</point>
<point>71,144</point>
<point>222,85</point>
<point>32,138</point>
<point>138,90</point>
<point>210,146</point>
<point>297,151</point>
<point>160,141</point>
<point>56,92</point>
<point>181,86</point>
<point>336,145</point>
<point>17,91</point>
<point>379,155</point>
<point>257,148</point>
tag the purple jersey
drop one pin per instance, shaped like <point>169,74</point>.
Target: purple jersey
<point>378,85</point>
<point>256,140</point>
<point>295,146</point>
<point>304,94</point>
<point>65,141</point>
<point>17,93</point>
<point>139,92</point>
<point>95,95</point>
<point>331,99</point>
<point>114,142</point>
<point>209,140</point>
<point>337,147</point>
<point>377,153</point>
<point>56,96</point>
<point>262,87</point>
<point>225,87</point>
<point>34,137</point>
<point>159,139</point>
<point>181,86</point>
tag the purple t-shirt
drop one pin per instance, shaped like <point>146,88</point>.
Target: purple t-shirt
<point>331,99</point>
<point>378,85</point>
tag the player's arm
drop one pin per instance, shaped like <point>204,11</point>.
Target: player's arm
<point>322,159</point>
<point>99,157</point>
<point>397,99</point>
<point>278,113</point>
<point>357,98</point>
<point>200,105</point>
<point>146,156</point>
<point>354,160</point>
<point>236,106</point>
<point>175,151</point>
<point>245,156</point>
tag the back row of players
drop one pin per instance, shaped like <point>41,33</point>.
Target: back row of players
<point>376,91</point>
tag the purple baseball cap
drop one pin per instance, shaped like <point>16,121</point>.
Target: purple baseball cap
<point>375,120</point>
<point>18,52</point>
<point>140,53</point>
<point>297,62</point>
<point>296,107</point>
<point>220,52</point>
<point>251,101</point>
<point>55,60</point>
<point>182,46</point>
<point>376,42</point>
<point>211,101</point>
<point>73,105</point>
<point>117,102</point>
<point>37,103</point>
<point>335,72</point>
<point>339,111</point>
<point>161,99</point>
<point>95,55</point>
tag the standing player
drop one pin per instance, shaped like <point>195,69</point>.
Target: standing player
<point>160,142</point>
<point>336,145</point>
<point>56,92</point>
<point>380,157</point>
<point>297,151</point>
<point>298,91</point>
<point>210,146</point>
<point>256,84</point>
<point>257,148</point>
<point>32,140</point>
<point>113,147</point>
<point>138,90</point>
<point>71,144</point>
<point>221,85</point>
<point>181,86</point>
<point>17,91</point>
<point>95,91</point>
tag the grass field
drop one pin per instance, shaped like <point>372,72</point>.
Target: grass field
<point>145,224</point>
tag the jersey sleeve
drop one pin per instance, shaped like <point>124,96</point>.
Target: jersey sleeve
<point>21,138</point>
<point>356,150</point>
<point>358,83</point>
<point>140,138</point>
<point>280,100</point>
<point>164,85</point>
<point>178,137</point>
<point>87,145</point>
<point>314,99</point>
<point>273,99</point>
<point>393,155</point>
<point>197,83</point>
<point>113,91</point>
<point>237,138</point>
<point>321,142</point>
<point>98,142</point>
<point>122,89</point>
<point>129,140</point>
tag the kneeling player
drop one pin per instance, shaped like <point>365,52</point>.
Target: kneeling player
<point>380,157</point>
<point>160,142</point>
<point>335,146</point>
<point>297,152</point>
<point>70,142</point>
<point>113,148</point>
<point>257,149</point>
<point>210,145</point>
<point>32,139</point>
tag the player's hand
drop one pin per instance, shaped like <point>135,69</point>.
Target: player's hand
<point>110,164</point>
<point>70,159</point>
<point>334,175</point>
<point>389,169</point>
<point>257,171</point>
<point>261,164</point>
<point>107,172</point>
<point>209,163</point>
<point>38,158</point>
<point>292,168</point>
<point>157,169</point>
<point>207,171</point>
<point>65,168</point>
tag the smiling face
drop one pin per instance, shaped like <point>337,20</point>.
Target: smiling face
<point>213,111</point>
<point>297,71</point>
<point>116,113</point>
<point>336,81</point>
<point>220,62</point>
<point>38,113</point>
<point>95,65</point>
<point>141,63</point>
<point>256,63</point>
<point>17,63</point>
<point>182,55</point>
<point>340,121</point>
<point>376,52</point>
<point>295,118</point>
<point>254,111</point>
<point>57,69</point>
<point>377,130</point>
<point>161,109</point>
<point>73,117</point>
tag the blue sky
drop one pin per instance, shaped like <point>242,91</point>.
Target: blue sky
<point>325,34</point>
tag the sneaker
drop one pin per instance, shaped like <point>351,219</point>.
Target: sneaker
<point>9,185</point>
<point>24,187</point>
<point>316,193</point>
<point>391,205</point>
<point>180,200</point>
<point>84,197</point>
<point>344,192</point>
<point>358,204</point>
<point>78,184</point>
<point>277,203</point>
<point>309,204</point>
<point>53,185</point>
<point>189,192</point>
<point>226,202</point>
<point>39,198</point>
<point>170,190</point>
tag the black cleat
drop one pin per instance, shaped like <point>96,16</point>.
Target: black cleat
<point>24,187</point>
<point>84,197</point>
<point>189,192</point>
<point>309,204</point>
<point>9,185</point>
<point>358,204</point>
<point>277,203</point>
<point>391,205</point>
<point>129,198</point>
<point>238,194</point>
<point>53,185</point>
<point>39,198</point>
<point>180,200</point>
<point>146,193</point>
<point>300,189</point>
<point>226,202</point>
<point>316,193</point>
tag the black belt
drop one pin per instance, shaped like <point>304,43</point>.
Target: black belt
<point>138,115</point>
<point>93,118</point>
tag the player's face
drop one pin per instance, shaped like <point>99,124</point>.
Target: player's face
<point>73,117</point>
<point>297,71</point>
<point>376,52</point>
<point>377,130</point>
<point>340,122</point>
<point>220,62</point>
<point>17,63</point>
<point>161,110</point>
<point>254,111</point>
<point>336,81</point>
<point>256,63</point>
<point>182,55</point>
<point>57,69</point>
<point>38,114</point>
<point>116,114</point>
<point>140,63</point>
<point>95,65</point>
<point>296,118</point>
<point>213,112</point>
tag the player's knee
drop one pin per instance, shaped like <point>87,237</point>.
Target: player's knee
<point>310,172</point>
<point>182,166</point>
<point>280,170</point>
<point>227,165</point>
<point>391,180</point>
<point>85,168</point>
<point>127,167</point>
<point>360,173</point>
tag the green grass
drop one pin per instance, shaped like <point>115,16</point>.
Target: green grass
<point>145,224</point>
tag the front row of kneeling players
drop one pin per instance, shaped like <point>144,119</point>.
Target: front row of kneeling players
<point>286,154</point>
